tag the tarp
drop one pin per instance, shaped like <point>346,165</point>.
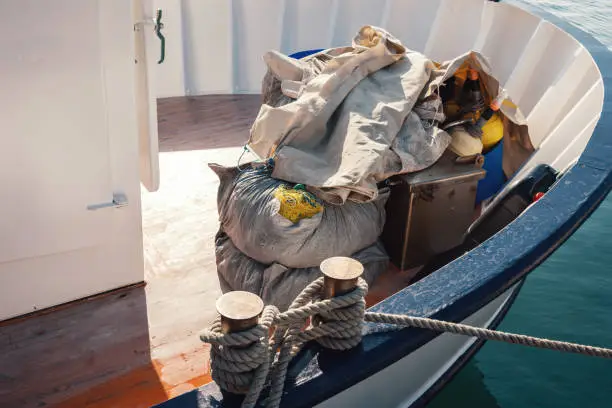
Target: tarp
<point>347,118</point>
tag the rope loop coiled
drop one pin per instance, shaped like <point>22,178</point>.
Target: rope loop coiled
<point>240,361</point>
<point>245,362</point>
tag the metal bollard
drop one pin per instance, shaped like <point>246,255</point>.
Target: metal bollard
<point>340,275</point>
<point>239,310</point>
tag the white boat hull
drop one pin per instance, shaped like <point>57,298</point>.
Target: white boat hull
<point>401,384</point>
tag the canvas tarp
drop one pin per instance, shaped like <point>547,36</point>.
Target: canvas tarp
<point>347,118</point>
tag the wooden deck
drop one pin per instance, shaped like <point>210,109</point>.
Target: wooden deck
<point>139,346</point>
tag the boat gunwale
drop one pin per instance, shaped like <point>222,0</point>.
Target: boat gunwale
<point>485,272</point>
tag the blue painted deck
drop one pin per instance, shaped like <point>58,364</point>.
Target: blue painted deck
<point>465,285</point>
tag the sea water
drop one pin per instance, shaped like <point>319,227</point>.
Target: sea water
<point>569,297</point>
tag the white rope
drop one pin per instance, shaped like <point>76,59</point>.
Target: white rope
<point>486,334</point>
<point>244,362</point>
<point>240,361</point>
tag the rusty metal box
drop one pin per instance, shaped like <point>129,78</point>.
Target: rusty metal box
<point>428,212</point>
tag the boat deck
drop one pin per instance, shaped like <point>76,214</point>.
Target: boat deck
<point>139,346</point>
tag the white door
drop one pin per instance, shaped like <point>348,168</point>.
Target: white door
<point>69,145</point>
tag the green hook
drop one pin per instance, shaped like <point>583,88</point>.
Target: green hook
<point>158,27</point>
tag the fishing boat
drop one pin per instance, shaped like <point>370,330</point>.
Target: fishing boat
<point>103,97</point>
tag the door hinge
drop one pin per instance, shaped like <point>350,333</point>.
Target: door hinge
<point>157,27</point>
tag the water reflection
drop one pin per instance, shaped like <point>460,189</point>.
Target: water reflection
<point>467,389</point>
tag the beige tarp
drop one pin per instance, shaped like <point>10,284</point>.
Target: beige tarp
<point>357,115</point>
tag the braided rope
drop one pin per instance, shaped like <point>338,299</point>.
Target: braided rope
<point>243,362</point>
<point>486,334</point>
<point>336,323</point>
<point>240,361</point>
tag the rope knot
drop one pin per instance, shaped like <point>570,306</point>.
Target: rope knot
<point>342,322</point>
<point>240,361</point>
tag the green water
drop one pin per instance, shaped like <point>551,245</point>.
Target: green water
<point>569,297</point>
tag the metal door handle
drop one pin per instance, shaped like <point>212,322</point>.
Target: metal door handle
<point>119,200</point>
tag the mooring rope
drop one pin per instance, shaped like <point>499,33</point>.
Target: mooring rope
<point>245,362</point>
<point>241,362</point>
<point>486,334</point>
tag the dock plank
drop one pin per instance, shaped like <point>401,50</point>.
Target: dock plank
<point>68,350</point>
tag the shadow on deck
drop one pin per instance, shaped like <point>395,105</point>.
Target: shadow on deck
<point>67,350</point>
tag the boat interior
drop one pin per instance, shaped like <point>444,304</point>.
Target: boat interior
<point>138,345</point>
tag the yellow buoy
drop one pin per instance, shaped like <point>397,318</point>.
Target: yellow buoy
<point>492,132</point>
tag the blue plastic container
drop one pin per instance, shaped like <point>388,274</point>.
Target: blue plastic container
<point>495,178</point>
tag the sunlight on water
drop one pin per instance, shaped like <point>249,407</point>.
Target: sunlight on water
<point>594,17</point>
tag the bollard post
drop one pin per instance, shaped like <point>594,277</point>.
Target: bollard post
<point>239,310</point>
<point>340,275</point>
